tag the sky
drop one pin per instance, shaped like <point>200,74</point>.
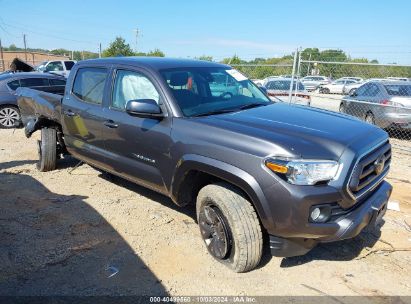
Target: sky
<point>362,28</point>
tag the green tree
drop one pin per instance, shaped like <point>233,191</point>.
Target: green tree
<point>13,47</point>
<point>233,60</point>
<point>118,47</point>
<point>205,58</point>
<point>310,54</point>
<point>155,53</point>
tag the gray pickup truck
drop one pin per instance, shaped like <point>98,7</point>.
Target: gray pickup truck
<point>259,172</point>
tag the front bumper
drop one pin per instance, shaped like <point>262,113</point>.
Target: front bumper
<point>368,212</point>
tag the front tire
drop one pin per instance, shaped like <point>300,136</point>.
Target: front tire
<point>47,150</point>
<point>229,227</point>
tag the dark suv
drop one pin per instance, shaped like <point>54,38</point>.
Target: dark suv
<point>252,167</point>
<point>9,112</point>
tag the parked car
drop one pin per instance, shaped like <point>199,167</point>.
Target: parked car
<point>58,67</point>
<point>385,104</point>
<point>335,87</point>
<point>278,90</point>
<point>350,88</point>
<point>259,82</point>
<point>311,83</point>
<point>398,78</point>
<point>9,111</point>
<point>249,165</point>
<point>358,79</point>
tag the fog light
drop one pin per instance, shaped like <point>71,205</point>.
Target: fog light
<point>320,214</point>
<point>315,214</point>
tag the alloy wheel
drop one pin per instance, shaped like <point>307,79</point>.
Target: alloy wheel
<point>214,230</point>
<point>9,117</point>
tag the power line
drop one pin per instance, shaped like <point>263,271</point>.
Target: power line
<point>48,35</point>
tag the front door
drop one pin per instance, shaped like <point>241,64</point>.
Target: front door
<point>136,147</point>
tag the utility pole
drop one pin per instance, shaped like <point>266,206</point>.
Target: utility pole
<point>136,31</point>
<point>290,93</point>
<point>2,58</point>
<point>25,46</point>
<point>99,50</point>
<point>72,55</point>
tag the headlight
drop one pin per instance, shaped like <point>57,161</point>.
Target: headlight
<point>304,172</point>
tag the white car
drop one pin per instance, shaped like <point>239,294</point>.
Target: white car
<point>59,67</point>
<point>336,87</point>
<point>258,82</point>
<point>398,78</point>
<point>358,79</point>
<point>311,83</point>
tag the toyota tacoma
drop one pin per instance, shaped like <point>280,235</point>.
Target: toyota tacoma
<point>259,172</point>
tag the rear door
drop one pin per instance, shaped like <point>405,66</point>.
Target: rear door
<point>136,148</point>
<point>82,117</point>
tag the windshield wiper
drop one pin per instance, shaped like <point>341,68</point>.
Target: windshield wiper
<point>215,112</point>
<point>252,105</point>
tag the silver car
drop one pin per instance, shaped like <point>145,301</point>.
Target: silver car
<point>386,104</point>
<point>350,88</point>
<point>311,83</point>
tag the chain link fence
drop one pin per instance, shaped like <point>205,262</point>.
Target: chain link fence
<point>378,94</point>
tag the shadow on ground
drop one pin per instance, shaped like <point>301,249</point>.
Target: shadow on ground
<point>54,244</point>
<point>346,250</point>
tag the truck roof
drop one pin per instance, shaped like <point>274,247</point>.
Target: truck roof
<point>156,63</point>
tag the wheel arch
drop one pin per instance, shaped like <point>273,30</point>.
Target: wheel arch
<point>195,171</point>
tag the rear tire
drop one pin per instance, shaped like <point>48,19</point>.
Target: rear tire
<point>9,117</point>
<point>342,108</point>
<point>229,227</point>
<point>47,150</point>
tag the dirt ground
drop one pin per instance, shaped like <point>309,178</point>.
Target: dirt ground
<point>86,233</point>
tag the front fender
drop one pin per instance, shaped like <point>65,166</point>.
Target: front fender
<point>227,172</point>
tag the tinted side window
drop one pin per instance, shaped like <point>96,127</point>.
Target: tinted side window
<point>373,91</point>
<point>362,89</point>
<point>57,82</point>
<point>130,86</point>
<point>14,84</point>
<point>34,82</point>
<point>69,65</point>
<point>89,84</point>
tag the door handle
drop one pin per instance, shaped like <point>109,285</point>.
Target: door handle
<point>69,113</point>
<point>110,124</point>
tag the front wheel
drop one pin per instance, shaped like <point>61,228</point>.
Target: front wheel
<point>47,150</point>
<point>229,227</point>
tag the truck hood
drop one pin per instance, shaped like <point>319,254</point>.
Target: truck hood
<point>301,131</point>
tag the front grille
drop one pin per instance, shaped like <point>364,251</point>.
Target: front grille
<point>369,170</point>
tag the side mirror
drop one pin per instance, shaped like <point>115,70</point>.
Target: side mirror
<point>353,93</point>
<point>146,108</point>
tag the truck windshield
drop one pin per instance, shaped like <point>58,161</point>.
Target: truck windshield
<point>210,90</point>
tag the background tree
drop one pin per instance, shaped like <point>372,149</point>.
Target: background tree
<point>155,53</point>
<point>118,47</point>
<point>205,58</point>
